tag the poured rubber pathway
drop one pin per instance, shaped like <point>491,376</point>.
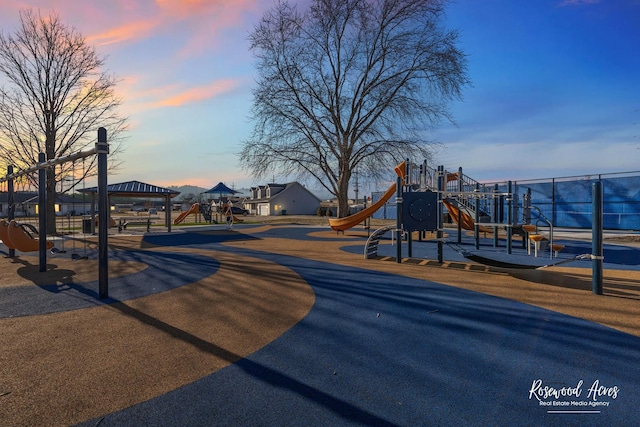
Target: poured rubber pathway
<point>384,349</point>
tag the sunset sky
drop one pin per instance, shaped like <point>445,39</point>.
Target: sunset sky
<point>556,85</point>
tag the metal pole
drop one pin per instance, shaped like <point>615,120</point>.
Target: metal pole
<point>11,202</point>
<point>495,215</point>
<point>460,188</point>
<point>596,237</point>
<point>476,226</point>
<point>102,148</point>
<point>42,213</point>
<point>167,213</point>
<point>510,218</point>
<point>441,185</point>
<point>50,163</point>
<point>399,220</point>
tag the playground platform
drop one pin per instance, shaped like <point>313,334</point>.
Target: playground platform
<point>290,325</point>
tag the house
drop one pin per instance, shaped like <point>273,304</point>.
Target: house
<point>282,199</point>
<point>26,203</point>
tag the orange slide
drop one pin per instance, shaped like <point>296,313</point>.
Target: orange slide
<point>194,209</point>
<point>467,223</point>
<point>342,224</point>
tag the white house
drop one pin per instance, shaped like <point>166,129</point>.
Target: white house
<point>26,204</point>
<point>282,199</point>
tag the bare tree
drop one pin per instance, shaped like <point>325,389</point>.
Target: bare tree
<point>54,100</point>
<point>349,84</point>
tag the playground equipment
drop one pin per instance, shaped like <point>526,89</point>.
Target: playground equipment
<point>422,210</point>
<point>194,209</point>
<point>227,213</point>
<point>19,236</point>
<point>101,149</point>
<point>342,224</point>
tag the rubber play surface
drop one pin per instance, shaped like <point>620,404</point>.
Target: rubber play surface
<point>290,325</point>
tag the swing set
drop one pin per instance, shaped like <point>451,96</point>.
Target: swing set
<point>21,237</point>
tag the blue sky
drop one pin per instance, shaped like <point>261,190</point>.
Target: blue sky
<point>556,85</point>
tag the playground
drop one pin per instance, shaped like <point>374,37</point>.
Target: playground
<point>410,322</point>
<point>273,324</point>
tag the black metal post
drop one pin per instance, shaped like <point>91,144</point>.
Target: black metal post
<point>441,185</point>
<point>495,215</point>
<point>476,226</point>
<point>11,202</point>
<point>167,213</point>
<point>510,217</point>
<point>42,213</point>
<point>399,220</point>
<point>596,237</point>
<point>459,198</point>
<point>102,149</point>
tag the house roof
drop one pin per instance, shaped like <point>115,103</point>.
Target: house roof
<point>280,193</point>
<point>134,189</point>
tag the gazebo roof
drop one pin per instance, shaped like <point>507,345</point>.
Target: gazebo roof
<point>134,189</point>
<point>220,188</point>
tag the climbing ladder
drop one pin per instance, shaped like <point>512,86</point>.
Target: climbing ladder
<point>371,247</point>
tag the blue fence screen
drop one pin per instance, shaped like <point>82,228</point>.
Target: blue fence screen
<point>565,201</point>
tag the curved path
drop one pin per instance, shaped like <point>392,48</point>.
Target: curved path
<point>380,345</point>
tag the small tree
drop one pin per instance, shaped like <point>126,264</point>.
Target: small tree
<point>54,100</point>
<point>349,84</point>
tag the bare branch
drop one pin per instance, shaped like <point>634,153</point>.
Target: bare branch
<point>349,84</point>
<point>56,97</point>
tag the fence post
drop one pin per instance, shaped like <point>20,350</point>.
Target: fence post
<point>596,238</point>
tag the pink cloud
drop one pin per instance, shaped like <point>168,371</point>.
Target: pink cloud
<point>129,31</point>
<point>117,21</point>
<point>200,93</point>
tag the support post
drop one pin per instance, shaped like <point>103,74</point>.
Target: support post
<point>596,237</point>
<point>11,203</point>
<point>510,217</point>
<point>441,185</point>
<point>42,213</point>
<point>496,216</point>
<point>102,149</point>
<point>399,220</point>
<point>167,213</point>
<point>476,226</point>
<point>460,188</point>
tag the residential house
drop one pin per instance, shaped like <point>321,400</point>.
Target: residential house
<point>282,199</point>
<point>26,203</point>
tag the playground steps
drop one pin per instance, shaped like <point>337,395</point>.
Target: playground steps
<point>371,247</point>
<point>206,214</point>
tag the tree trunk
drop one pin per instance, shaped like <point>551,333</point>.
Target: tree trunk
<point>343,192</point>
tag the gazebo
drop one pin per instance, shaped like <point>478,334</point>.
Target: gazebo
<point>221,189</point>
<point>136,189</point>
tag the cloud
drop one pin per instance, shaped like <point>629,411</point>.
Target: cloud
<point>129,21</point>
<point>577,2</point>
<point>130,31</point>
<point>199,93</point>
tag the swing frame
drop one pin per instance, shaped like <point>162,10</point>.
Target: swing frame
<point>101,149</point>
